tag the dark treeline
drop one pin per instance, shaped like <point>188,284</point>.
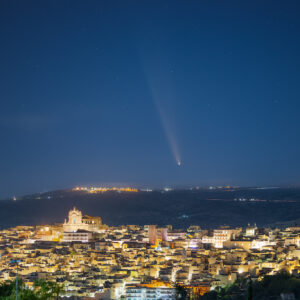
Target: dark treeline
<point>270,287</point>
<point>42,290</point>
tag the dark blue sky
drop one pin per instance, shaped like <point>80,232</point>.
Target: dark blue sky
<point>96,92</point>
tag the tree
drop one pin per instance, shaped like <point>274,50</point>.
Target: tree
<point>8,291</point>
<point>42,290</point>
<point>57,290</point>
<point>270,287</point>
<point>182,293</point>
<point>47,289</point>
<point>250,290</point>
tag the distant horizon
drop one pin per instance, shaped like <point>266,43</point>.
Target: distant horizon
<point>179,207</point>
<point>143,188</point>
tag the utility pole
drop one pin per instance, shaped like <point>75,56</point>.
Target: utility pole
<point>17,263</point>
<point>17,282</point>
<point>249,290</point>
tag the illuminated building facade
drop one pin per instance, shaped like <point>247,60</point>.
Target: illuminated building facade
<point>78,236</point>
<point>157,234</point>
<point>78,222</point>
<point>152,230</point>
<point>149,293</point>
<point>251,230</point>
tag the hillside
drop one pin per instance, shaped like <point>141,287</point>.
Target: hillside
<point>181,208</point>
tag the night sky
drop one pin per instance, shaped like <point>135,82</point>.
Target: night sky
<point>117,92</point>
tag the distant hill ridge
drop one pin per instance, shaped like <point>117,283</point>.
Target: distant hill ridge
<point>181,208</point>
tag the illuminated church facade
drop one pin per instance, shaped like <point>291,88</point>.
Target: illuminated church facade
<point>76,221</point>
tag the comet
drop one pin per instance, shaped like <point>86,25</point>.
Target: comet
<point>161,91</point>
<point>169,132</point>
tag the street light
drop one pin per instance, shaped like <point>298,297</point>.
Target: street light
<point>14,261</point>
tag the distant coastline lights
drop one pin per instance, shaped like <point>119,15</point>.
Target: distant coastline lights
<point>96,190</point>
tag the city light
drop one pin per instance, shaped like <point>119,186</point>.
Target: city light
<point>83,248</point>
<point>96,190</point>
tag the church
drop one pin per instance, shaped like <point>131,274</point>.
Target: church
<point>78,222</point>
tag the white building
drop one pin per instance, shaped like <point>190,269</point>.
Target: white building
<point>150,293</point>
<point>78,236</point>
<point>78,222</point>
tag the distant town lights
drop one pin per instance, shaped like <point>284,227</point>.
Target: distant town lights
<point>95,190</point>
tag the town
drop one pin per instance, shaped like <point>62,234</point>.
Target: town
<point>96,261</point>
